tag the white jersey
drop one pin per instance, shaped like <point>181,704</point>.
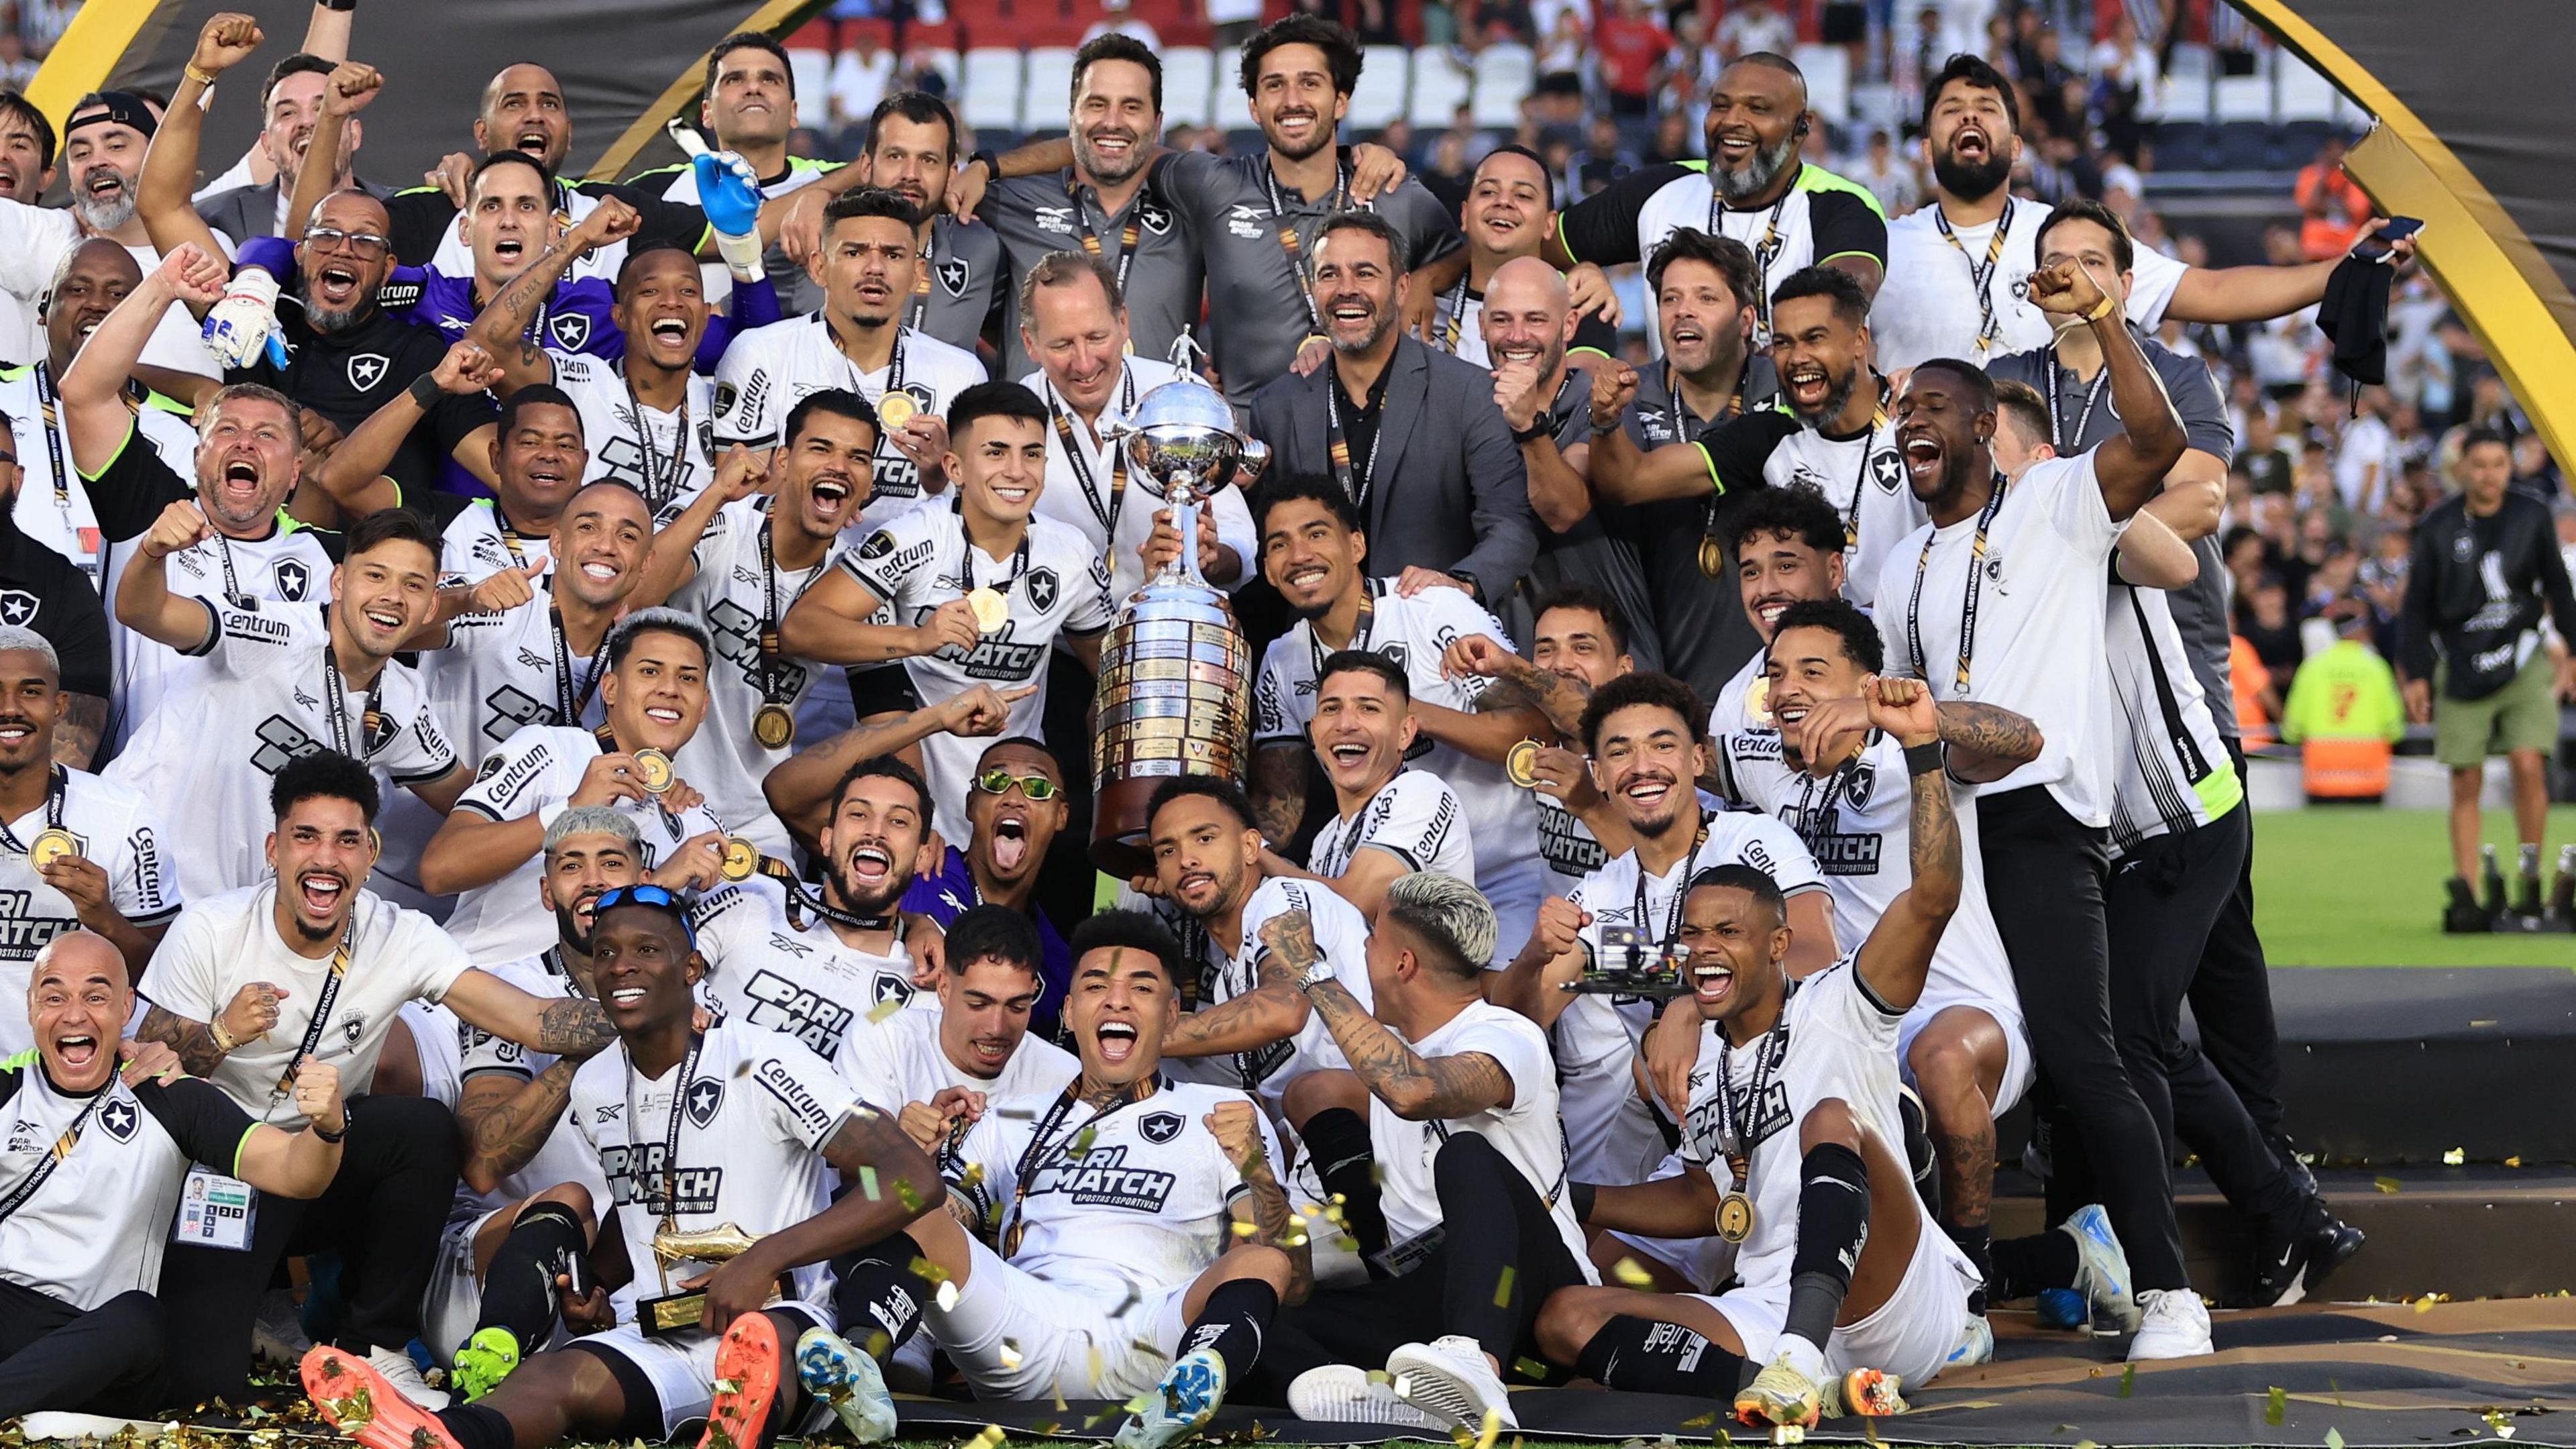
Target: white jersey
<point>542,765</point>
<point>1411,633</point>
<point>1928,307</point>
<point>1568,845</point>
<point>1821,216</point>
<point>2170,769</point>
<point>1227,970</point>
<point>669,457</point>
<point>455,256</point>
<point>53,506</point>
<point>564,1157</point>
<point>207,757</point>
<point>1864,479</point>
<point>2038,649</point>
<point>1125,1204</point>
<point>289,566</point>
<point>750,1121</point>
<point>1858,823</point>
<point>1528,1132</point>
<point>766,971</point>
<point>223,943</point>
<point>739,593</point>
<point>1743,702</point>
<point>896,1059</point>
<point>477,543</point>
<point>1597,1036</point>
<point>119,833</point>
<point>34,243</point>
<point>1054,584</point>
<point>1414,817</point>
<point>768,370</point>
<point>1083,476</point>
<point>504,671</point>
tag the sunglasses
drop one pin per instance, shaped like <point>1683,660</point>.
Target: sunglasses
<point>999,782</point>
<point>646,895</point>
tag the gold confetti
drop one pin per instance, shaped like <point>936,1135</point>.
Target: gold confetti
<point>1493,1427</point>
<point>2387,1185</point>
<point>2515,1161</point>
<point>971,1177</point>
<point>1010,1354</point>
<point>1633,1276</point>
<point>868,1183</point>
<point>2454,1157</point>
<point>2128,1378</point>
<point>929,1271</point>
<point>1503,1288</point>
<point>2334,1439</point>
<point>1702,1422</point>
<point>886,1008</point>
<point>2276,1404</point>
<point>2425,1303</point>
<point>1529,1368</point>
<point>1244,1230</point>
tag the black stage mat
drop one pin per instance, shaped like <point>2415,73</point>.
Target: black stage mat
<point>2375,1375</point>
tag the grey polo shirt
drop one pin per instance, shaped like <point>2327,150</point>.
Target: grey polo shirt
<point>967,283</point>
<point>1031,216</point>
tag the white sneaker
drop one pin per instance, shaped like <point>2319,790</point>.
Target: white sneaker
<point>828,1368</point>
<point>1976,1345</point>
<point>57,1424</point>
<point>277,1331</point>
<point>1340,1393</point>
<point>2102,1266</point>
<point>2176,1325</point>
<point>1449,1379</point>
<point>404,1375</point>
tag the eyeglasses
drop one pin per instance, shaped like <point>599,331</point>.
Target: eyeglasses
<point>646,895</point>
<point>366,244</point>
<point>999,782</point>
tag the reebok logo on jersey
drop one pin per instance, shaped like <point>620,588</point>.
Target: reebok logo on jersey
<point>1244,221</point>
<point>817,1022</point>
<point>811,1115</point>
<point>1058,219</point>
<point>1103,1179</point>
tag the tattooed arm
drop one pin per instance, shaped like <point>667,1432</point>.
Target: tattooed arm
<point>1552,694</point>
<point>1279,791</point>
<point>247,1017</point>
<point>77,733</point>
<point>506,1119</point>
<point>1419,1089</point>
<point>897,1183</point>
<point>1986,743</point>
<point>1264,1204</point>
<point>572,1027</point>
<point>1898,953</point>
<point>1271,1011</point>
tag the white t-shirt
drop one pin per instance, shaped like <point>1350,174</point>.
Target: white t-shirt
<point>1864,479</point>
<point>768,370</point>
<point>223,943</point>
<point>766,972</point>
<point>1528,1133</point>
<point>669,457</point>
<point>1928,306</point>
<point>1081,483</point>
<point>1145,1207</point>
<point>1414,817</point>
<point>289,566</point>
<point>1784,238</point>
<point>564,1157</point>
<point>207,757</point>
<point>541,765</point>
<point>119,832</point>
<point>1230,969</point>
<point>895,1060</point>
<point>1056,583</point>
<point>33,242</point>
<point>752,1121</point>
<point>2039,648</point>
<point>1411,633</point>
<point>475,545</point>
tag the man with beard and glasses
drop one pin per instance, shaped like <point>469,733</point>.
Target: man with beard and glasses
<point>243,468</point>
<point>115,882</point>
<point>1792,214</point>
<point>290,106</point>
<point>1999,600</point>
<point>1313,549</point>
<point>1510,213</point>
<point>1410,435</point>
<point>652,691</point>
<point>1709,373</point>
<point>783,957</point>
<point>52,504</point>
<point>1956,268</point>
<point>861,342</point>
<point>309,965</point>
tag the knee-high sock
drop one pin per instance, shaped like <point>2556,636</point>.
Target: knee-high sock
<point>881,1292</point>
<point>1236,1315</point>
<point>1338,1139</point>
<point>1833,1224</point>
<point>476,1426</point>
<point>1647,1357</point>
<point>519,1288</point>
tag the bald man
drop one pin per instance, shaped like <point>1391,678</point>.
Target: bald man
<point>1528,323</point>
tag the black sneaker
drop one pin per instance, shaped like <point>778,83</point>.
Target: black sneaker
<point>2464,916</point>
<point>2331,1244</point>
<point>2526,897</point>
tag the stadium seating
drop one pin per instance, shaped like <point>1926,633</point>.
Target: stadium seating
<point>1048,87</point>
<point>1189,86</point>
<point>1504,74</point>
<point>989,90</point>
<point>1440,86</point>
<point>1385,79</point>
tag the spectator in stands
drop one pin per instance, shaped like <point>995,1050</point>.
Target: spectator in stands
<point>1605,157</point>
<point>1672,139</point>
<point>2265,621</point>
<point>1562,61</point>
<point>1753,27</point>
<point>17,68</point>
<point>1888,176</point>
<point>2332,205</point>
<point>1633,48</point>
<point>860,77</point>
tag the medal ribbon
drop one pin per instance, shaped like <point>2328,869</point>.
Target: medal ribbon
<point>56,781</point>
<point>1765,251</point>
<point>569,702</point>
<point>661,485</point>
<point>322,1004</point>
<point>1078,458</point>
<point>336,707</point>
<point>1967,607</point>
<point>1981,276</point>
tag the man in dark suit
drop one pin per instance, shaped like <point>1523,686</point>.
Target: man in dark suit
<point>1411,434</point>
<point>290,101</point>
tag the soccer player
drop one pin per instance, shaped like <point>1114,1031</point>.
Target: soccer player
<point>653,696</point>
<point>1017,809</point>
<point>912,150</point>
<point>732,1125</point>
<point>980,589</point>
<point>860,342</point>
<point>1463,1115</point>
<point>1313,550</point>
<point>1393,820</point>
<point>90,1220</point>
<point>1841,1293</point>
<point>1578,642</point>
<point>975,1048</point>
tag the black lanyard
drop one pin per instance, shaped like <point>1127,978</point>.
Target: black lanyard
<point>322,1004</point>
<point>2069,446</point>
<point>1765,251</point>
<point>1287,229</point>
<point>336,706</point>
<point>49,407</point>
<point>1732,1123</point>
<point>799,896</point>
<point>570,702</point>
<point>1045,1143</point>
<point>1079,460</point>
<point>1712,552</point>
<point>1127,235</point>
<point>893,384</point>
<point>1981,275</point>
<point>62,1148</point>
<point>1361,628</point>
<point>555,962</point>
<point>56,781</point>
<point>1672,931</point>
<point>1967,606</point>
<point>233,594</point>
<point>966,555</point>
<point>1355,481</point>
<point>661,484</point>
<point>1860,475</point>
<point>670,1135</point>
<point>770,613</point>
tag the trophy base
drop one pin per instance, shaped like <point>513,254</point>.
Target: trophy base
<point>674,1314</point>
<point>1118,845</point>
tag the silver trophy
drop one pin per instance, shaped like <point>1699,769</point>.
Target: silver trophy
<point>1175,690</point>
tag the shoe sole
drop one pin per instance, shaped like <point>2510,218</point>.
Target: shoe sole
<point>481,1369</point>
<point>1341,1404</point>
<point>1767,1411</point>
<point>2120,1301</point>
<point>364,1405</point>
<point>1434,1388</point>
<point>848,1382</point>
<point>1872,1394</point>
<point>747,1362</point>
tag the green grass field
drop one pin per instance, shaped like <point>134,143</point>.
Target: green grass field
<point>2362,886</point>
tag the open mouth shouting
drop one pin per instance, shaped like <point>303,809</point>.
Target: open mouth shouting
<point>1116,1041</point>
<point>76,1050</point>
<point>1711,980</point>
<point>335,285</point>
<point>833,492</point>
<point>320,892</point>
<point>1350,759</point>
<point>1810,387</point>
<point>670,334</point>
<point>1923,458</point>
<point>1971,144</point>
<point>536,140</point>
<point>103,183</point>
<point>238,484</point>
<point>870,866</point>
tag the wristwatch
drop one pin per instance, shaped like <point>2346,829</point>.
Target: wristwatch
<point>1315,975</point>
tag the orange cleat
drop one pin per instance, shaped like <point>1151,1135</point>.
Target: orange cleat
<point>747,1364</point>
<point>362,1404</point>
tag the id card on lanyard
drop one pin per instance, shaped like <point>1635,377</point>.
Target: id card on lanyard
<point>216,1211</point>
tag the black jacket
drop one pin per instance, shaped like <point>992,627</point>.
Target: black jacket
<point>2476,590</point>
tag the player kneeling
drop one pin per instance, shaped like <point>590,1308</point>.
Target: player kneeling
<point>737,1127</point>
<point>1839,1270</point>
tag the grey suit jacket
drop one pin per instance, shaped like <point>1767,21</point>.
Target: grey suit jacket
<point>248,211</point>
<point>1448,492</point>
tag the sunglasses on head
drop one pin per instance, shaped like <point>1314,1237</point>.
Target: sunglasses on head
<point>646,895</point>
<point>999,782</point>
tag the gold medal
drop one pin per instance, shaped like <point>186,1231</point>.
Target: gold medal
<point>1735,1217</point>
<point>653,771</point>
<point>896,409</point>
<point>773,726</point>
<point>51,846</point>
<point>1712,557</point>
<point>991,611</point>
<point>1757,699</point>
<point>741,860</point>
<point>1521,765</point>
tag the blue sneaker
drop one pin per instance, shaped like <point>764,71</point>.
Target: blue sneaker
<point>847,1380</point>
<point>2063,1308</point>
<point>2102,1272</point>
<point>1177,1407</point>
